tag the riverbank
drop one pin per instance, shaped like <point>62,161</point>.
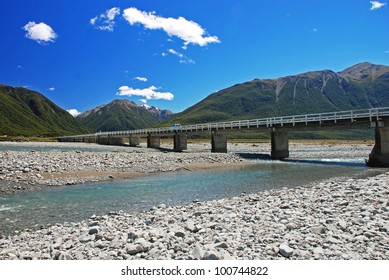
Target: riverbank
<point>35,165</point>
<point>43,165</point>
<point>340,218</point>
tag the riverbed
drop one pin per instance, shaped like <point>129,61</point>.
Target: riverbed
<point>341,215</point>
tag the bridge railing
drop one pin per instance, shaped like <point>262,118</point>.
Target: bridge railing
<point>372,114</point>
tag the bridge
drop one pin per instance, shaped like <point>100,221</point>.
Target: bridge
<point>278,127</point>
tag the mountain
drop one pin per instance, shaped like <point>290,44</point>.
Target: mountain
<point>361,86</point>
<point>29,113</point>
<point>161,114</point>
<point>122,115</point>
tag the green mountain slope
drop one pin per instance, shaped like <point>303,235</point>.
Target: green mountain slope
<point>362,86</point>
<point>29,113</point>
<point>122,115</point>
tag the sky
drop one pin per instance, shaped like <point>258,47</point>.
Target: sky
<point>171,54</point>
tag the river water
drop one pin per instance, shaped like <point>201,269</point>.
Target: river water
<point>75,203</point>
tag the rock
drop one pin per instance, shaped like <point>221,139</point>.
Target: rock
<point>64,256</point>
<point>100,244</point>
<point>291,226</point>
<point>109,237</point>
<point>25,255</point>
<point>369,234</point>
<point>93,224</point>
<point>318,251</point>
<point>8,251</point>
<point>197,252</point>
<point>179,234</point>
<point>191,227</point>
<point>133,249</point>
<point>221,245</point>
<point>285,250</point>
<point>132,236</point>
<point>342,225</point>
<point>85,238</point>
<point>58,243</point>
<point>318,230</point>
<point>93,230</point>
<point>145,245</point>
<point>211,255</point>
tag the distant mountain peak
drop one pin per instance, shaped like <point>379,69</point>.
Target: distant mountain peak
<point>122,114</point>
<point>363,71</point>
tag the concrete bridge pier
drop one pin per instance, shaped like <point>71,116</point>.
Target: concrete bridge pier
<point>134,141</point>
<point>279,145</point>
<point>219,142</point>
<point>91,139</point>
<point>103,140</point>
<point>117,141</point>
<point>153,141</point>
<point>379,156</point>
<point>180,142</point>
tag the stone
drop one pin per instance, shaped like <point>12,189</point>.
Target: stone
<point>133,249</point>
<point>285,250</point>
<point>318,251</point>
<point>191,227</point>
<point>132,236</point>
<point>221,245</point>
<point>64,256</point>
<point>93,224</point>
<point>342,225</point>
<point>93,230</point>
<point>211,255</point>
<point>197,252</point>
<point>179,234</point>
<point>100,244</point>
<point>145,245</point>
<point>109,237</point>
<point>369,234</point>
<point>85,238</point>
<point>318,229</point>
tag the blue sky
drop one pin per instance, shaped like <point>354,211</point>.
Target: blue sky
<point>172,53</point>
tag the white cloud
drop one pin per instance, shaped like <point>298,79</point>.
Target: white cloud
<point>142,79</point>
<point>183,58</point>
<point>147,93</point>
<point>189,31</point>
<point>52,89</point>
<point>40,32</point>
<point>106,21</point>
<point>144,101</point>
<point>375,5</point>
<point>74,112</point>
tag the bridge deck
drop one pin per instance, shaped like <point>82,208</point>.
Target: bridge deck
<point>320,121</point>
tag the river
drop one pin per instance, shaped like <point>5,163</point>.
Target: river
<point>75,203</point>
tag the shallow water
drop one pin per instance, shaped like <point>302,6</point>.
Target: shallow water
<point>75,203</point>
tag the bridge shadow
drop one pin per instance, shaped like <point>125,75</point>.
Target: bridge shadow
<point>254,156</point>
<point>328,162</point>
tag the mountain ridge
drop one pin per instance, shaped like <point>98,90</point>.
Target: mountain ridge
<point>363,85</point>
<point>29,113</point>
<point>123,115</point>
